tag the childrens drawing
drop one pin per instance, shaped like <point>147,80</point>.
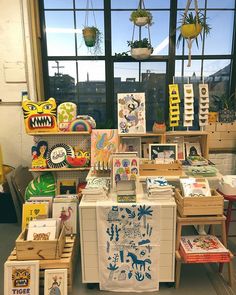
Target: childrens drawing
<point>103,143</point>
<point>39,153</point>
<point>131,113</point>
<point>67,212</point>
<point>128,247</point>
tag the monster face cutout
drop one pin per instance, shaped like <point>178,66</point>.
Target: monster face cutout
<point>40,116</point>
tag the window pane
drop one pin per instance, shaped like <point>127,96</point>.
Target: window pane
<point>62,80</point>
<point>196,50</point>
<point>219,40</point>
<point>91,90</point>
<point>122,33</point>
<point>133,4</point>
<point>220,4</point>
<point>82,4</point>
<point>60,33</point>
<point>58,4</point>
<point>182,4</point>
<point>80,23</point>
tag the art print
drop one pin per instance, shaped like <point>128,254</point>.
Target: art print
<point>39,152</point>
<point>128,242</point>
<point>193,149</point>
<point>132,144</point>
<point>55,282</point>
<point>124,168</point>
<point>104,142</point>
<point>66,186</point>
<point>131,113</point>
<point>163,152</point>
<point>179,140</point>
<point>21,277</point>
<point>67,212</point>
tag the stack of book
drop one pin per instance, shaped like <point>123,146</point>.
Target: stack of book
<point>197,161</point>
<point>158,188</point>
<point>202,249</point>
<point>97,189</point>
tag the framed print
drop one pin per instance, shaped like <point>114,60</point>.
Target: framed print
<point>179,140</point>
<point>193,149</point>
<point>131,113</point>
<point>133,144</point>
<point>66,186</point>
<point>55,282</point>
<point>67,212</point>
<point>163,152</point>
<point>21,277</point>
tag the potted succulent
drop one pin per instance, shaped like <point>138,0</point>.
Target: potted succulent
<point>191,27</point>
<point>140,49</point>
<point>159,126</point>
<point>226,107</point>
<point>141,17</point>
<point>92,37</point>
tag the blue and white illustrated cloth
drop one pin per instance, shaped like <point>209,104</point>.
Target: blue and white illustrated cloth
<point>128,246</point>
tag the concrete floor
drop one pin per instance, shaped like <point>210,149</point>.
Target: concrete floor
<point>195,279</point>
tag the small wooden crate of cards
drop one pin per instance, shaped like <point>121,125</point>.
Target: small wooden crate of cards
<point>199,200</point>
<point>150,168</point>
<point>39,249</point>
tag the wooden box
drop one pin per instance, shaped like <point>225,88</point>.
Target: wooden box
<point>31,250</point>
<point>67,260</point>
<point>150,169</point>
<point>194,206</point>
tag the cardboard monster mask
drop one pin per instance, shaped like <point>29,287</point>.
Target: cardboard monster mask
<point>40,116</point>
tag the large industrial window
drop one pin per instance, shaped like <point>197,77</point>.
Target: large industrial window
<point>72,72</point>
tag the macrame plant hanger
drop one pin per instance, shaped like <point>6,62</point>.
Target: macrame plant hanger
<point>190,40</point>
<point>86,21</point>
<point>141,5</point>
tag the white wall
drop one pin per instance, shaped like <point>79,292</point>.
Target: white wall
<point>15,68</point>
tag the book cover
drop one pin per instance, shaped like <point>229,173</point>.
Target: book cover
<point>32,211</point>
<point>195,187</point>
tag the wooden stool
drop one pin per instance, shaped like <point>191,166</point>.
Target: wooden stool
<point>202,220</point>
<point>231,199</point>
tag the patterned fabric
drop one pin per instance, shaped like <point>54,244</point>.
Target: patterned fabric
<point>128,245</point>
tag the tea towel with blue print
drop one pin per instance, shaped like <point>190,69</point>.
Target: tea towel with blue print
<point>128,246</point>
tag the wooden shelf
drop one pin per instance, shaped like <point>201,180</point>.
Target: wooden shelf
<point>59,169</point>
<point>186,133</point>
<point>59,133</point>
<point>148,134</point>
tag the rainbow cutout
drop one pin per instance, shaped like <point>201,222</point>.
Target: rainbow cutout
<point>78,125</point>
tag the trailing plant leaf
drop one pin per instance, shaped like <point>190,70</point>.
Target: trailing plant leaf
<point>144,43</point>
<point>141,13</point>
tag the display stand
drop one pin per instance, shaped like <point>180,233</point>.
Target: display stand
<point>205,220</point>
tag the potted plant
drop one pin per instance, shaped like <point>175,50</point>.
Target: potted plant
<point>191,27</point>
<point>226,107</point>
<point>92,37</point>
<point>141,17</point>
<point>140,49</point>
<point>159,126</point>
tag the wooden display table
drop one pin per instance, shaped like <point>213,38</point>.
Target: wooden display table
<point>201,220</point>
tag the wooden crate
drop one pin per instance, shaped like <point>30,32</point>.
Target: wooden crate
<point>150,169</point>
<point>67,260</point>
<point>38,250</point>
<point>194,206</point>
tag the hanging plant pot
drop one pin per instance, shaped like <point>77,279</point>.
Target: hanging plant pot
<point>212,117</point>
<point>141,53</point>
<point>141,21</point>
<point>226,116</point>
<point>190,30</point>
<point>89,34</point>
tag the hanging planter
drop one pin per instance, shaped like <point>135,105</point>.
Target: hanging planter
<point>141,17</point>
<point>191,27</point>
<point>91,34</point>
<point>140,49</point>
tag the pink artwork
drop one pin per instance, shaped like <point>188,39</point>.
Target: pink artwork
<point>103,143</point>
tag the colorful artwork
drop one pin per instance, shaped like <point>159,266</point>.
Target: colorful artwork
<point>43,185</point>
<point>124,168</point>
<point>179,140</point>
<point>67,212</point>
<point>21,277</point>
<point>174,101</point>
<point>39,153</point>
<point>103,143</point>
<point>164,152</point>
<point>79,125</point>
<point>66,186</point>
<point>56,156</point>
<point>66,113</point>
<point>132,144</point>
<point>32,211</point>
<point>40,116</point>
<point>55,282</point>
<point>131,113</point>
<point>128,244</point>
